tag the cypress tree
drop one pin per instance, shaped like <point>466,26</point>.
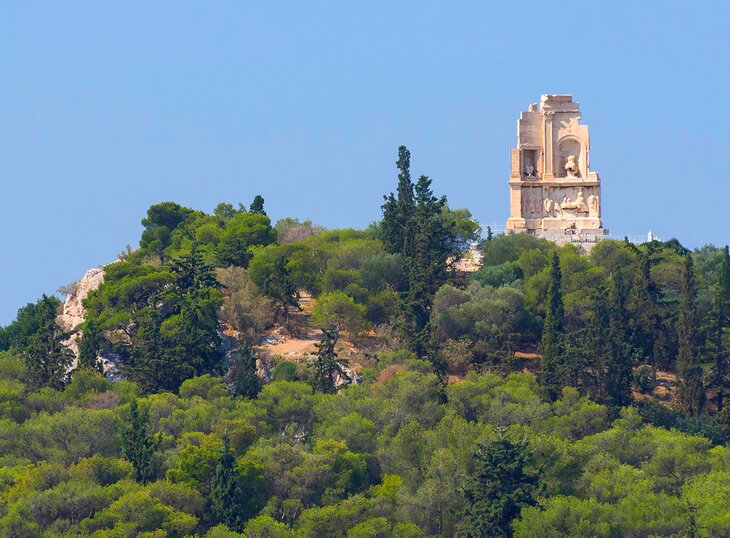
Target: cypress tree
<point>414,225</point>
<point>690,390</point>
<point>618,367</point>
<point>227,503</point>
<point>243,374</point>
<point>398,211</point>
<point>497,490</point>
<point>326,366</point>
<point>427,266</point>
<point>552,368</point>
<point>138,446</point>
<point>90,344</point>
<point>722,321</point>
<point>589,347</point>
<point>406,206</point>
<point>647,323</point>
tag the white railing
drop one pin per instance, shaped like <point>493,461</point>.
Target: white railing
<point>499,229</point>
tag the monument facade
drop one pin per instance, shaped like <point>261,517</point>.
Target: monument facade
<point>553,192</point>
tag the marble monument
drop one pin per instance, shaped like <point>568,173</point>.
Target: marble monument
<point>553,192</point>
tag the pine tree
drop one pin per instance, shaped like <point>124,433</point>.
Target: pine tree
<point>47,359</point>
<point>497,490</point>
<point>257,206</point>
<point>722,323</point>
<point>326,366</point>
<point>227,504</point>
<point>552,369</point>
<point>690,389</point>
<point>138,446</point>
<point>243,374</point>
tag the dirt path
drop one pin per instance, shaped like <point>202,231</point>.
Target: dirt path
<point>295,348</point>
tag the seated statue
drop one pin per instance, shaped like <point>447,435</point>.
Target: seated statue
<point>571,167</point>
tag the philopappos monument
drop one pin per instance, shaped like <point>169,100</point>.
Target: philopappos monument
<point>553,192</point>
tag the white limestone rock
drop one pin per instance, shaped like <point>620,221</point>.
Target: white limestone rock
<point>73,309</point>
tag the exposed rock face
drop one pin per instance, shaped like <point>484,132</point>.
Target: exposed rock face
<point>73,309</point>
<point>230,345</point>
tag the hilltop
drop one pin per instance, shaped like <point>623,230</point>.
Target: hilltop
<point>231,376</point>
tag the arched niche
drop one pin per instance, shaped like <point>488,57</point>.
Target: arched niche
<point>567,146</point>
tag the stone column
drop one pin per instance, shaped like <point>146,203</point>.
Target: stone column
<point>549,172</point>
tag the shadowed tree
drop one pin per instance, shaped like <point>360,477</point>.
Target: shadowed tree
<point>280,288</point>
<point>243,374</point>
<point>647,325</point>
<point>722,322</point>
<point>47,359</point>
<point>497,490</point>
<point>326,367</point>
<point>552,368</point>
<point>690,390</point>
<point>227,497</point>
<point>257,206</point>
<point>618,371</point>
<point>138,446</point>
<point>90,344</point>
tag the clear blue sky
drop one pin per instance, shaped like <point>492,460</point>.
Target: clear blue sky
<point>108,107</point>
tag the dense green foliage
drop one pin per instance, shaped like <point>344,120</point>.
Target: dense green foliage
<point>394,455</point>
<point>497,490</point>
<point>550,393</point>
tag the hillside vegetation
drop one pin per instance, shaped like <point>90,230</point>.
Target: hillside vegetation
<point>549,393</point>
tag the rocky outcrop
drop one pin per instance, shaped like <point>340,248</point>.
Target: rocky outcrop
<point>73,309</point>
<point>230,345</point>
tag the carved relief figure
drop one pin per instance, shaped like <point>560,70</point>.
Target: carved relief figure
<point>579,204</point>
<point>593,206</point>
<point>571,167</point>
<point>548,206</point>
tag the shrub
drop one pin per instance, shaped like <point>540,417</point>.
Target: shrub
<point>643,380</point>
